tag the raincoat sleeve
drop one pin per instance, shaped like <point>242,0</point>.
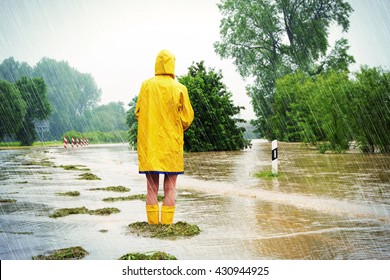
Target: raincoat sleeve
<point>186,111</point>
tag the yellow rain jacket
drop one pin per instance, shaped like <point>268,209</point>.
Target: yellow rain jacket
<point>163,112</point>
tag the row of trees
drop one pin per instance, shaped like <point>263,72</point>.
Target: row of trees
<point>334,107</point>
<point>215,126</point>
<point>73,98</point>
<point>98,136</point>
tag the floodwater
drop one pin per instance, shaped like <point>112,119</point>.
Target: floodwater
<point>322,206</point>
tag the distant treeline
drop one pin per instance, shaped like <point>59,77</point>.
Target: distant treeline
<point>72,96</point>
<point>96,137</point>
<point>334,108</point>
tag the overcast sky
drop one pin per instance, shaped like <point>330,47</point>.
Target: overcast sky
<point>117,40</point>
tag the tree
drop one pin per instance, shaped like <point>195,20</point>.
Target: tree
<point>131,122</point>
<point>370,109</point>
<point>70,92</point>
<point>314,109</point>
<point>106,118</point>
<point>214,127</point>
<point>332,108</point>
<point>291,109</point>
<point>34,93</point>
<point>269,39</point>
<point>11,70</point>
<point>12,109</point>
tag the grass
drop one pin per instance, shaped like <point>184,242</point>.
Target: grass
<point>267,174</point>
<point>72,253</point>
<point>7,200</point>
<point>68,211</point>
<point>48,143</point>
<point>104,211</point>
<point>178,229</point>
<point>83,210</point>
<point>74,193</point>
<point>45,163</point>
<point>76,167</point>
<point>35,144</point>
<point>16,232</point>
<point>112,189</point>
<point>131,197</point>
<point>9,144</point>
<point>88,176</point>
<point>148,256</point>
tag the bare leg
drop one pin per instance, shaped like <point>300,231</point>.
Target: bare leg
<point>170,189</point>
<point>152,181</point>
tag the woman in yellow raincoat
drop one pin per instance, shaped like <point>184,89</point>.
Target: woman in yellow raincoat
<point>163,112</point>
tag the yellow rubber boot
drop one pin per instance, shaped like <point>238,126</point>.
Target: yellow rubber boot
<point>167,214</point>
<point>152,214</point>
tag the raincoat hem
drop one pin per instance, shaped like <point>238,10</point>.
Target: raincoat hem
<point>161,172</point>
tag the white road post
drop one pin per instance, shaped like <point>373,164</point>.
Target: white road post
<point>275,157</point>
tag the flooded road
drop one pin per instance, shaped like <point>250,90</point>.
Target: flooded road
<point>322,206</point>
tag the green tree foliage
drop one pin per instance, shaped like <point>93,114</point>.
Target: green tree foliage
<point>290,107</point>
<point>132,122</point>
<point>95,137</point>
<point>12,109</point>
<point>332,109</point>
<point>70,92</point>
<point>313,109</point>
<point>12,70</point>
<point>34,93</point>
<point>105,118</point>
<point>269,39</point>
<point>214,127</point>
<point>371,109</point>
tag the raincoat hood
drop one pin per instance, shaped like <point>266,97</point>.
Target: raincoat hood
<point>165,63</point>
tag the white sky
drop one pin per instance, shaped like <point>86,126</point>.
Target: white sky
<point>117,40</point>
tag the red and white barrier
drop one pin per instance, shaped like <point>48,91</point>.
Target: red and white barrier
<point>65,142</point>
<point>76,142</point>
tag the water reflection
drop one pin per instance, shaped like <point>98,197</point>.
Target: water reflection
<point>291,233</point>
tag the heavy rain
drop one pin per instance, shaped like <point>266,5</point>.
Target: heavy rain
<point>314,77</point>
